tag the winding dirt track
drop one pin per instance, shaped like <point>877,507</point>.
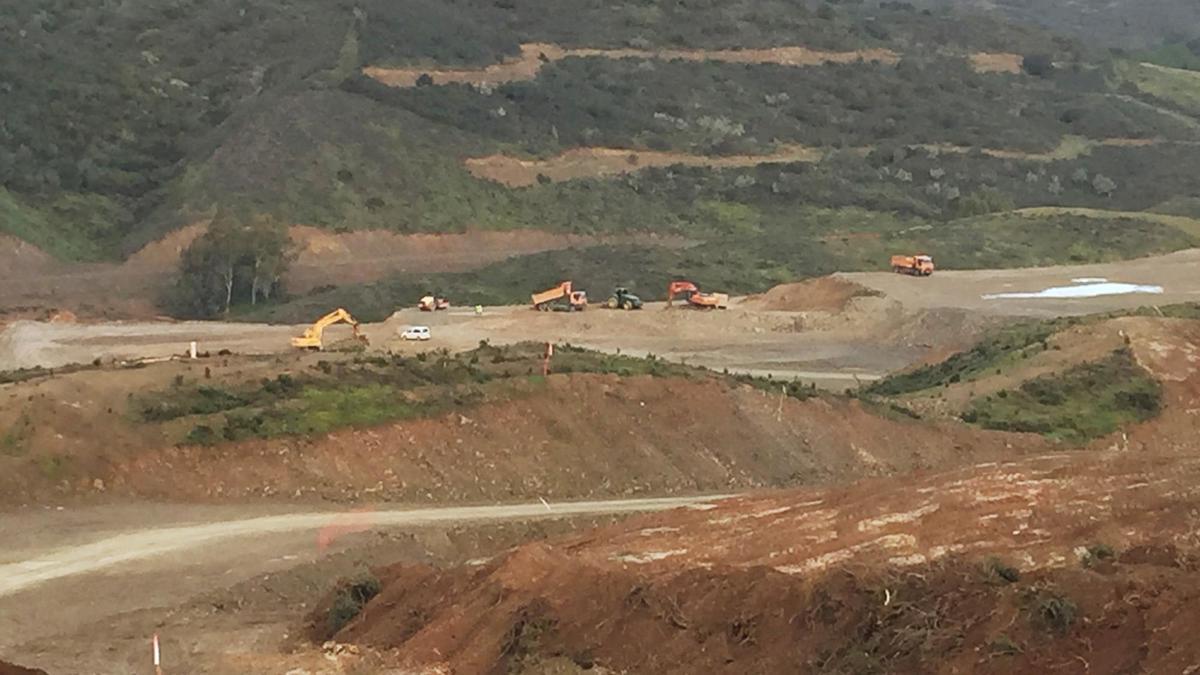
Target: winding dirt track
<point>138,545</point>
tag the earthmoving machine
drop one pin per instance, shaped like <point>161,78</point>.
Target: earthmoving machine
<point>623,299</point>
<point>919,265</point>
<point>561,298</point>
<point>433,303</point>
<point>312,338</point>
<point>694,298</point>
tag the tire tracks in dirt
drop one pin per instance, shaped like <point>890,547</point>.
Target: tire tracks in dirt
<point>138,545</point>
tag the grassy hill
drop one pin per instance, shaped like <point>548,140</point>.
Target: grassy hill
<point>124,123</point>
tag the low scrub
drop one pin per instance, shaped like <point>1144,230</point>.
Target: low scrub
<point>1008,345</point>
<point>1085,402</point>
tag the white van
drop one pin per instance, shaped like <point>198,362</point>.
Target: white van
<point>416,333</point>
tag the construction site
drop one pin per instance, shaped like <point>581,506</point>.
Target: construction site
<point>355,497</point>
<point>621,337</point>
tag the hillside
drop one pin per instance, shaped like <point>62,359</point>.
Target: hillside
<point>719,122</point>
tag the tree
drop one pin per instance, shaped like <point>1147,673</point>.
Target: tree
<point>983,201</point>
<point>235,257</point>
<point>1103,185</point>
<point>1038,65</point>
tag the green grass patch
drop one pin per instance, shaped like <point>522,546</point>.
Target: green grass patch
<point>74,227</point>
<point>1007,345</point>
<point>1085,402</point>
<point>1173,84</point>
<point>368,390</point>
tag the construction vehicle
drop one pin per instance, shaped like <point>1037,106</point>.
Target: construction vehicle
<point>694,298</point>
<point>314,334</point>
<point>561,298</point>
<point>917,265</point>
<point>623,299</point>
<point>433,303</point>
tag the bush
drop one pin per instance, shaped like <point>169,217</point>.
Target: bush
<point>349,600</point>
<point>1038,65</point>
<point>1054,611</point>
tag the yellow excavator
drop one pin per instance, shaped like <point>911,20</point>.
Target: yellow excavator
<point>312,338</point>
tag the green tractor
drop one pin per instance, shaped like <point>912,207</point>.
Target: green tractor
<point>623,299</point>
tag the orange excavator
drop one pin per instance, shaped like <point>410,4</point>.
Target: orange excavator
<point>916,265</point>
<point>562,297</point>
<point>313,335</point>
<point>694,298</point>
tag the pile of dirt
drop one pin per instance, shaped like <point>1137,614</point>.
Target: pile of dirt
<point>22,259</point>
<point>623,436</point>
<point>13,669</point>
<point>823,294</point>
<point>1050,564</point>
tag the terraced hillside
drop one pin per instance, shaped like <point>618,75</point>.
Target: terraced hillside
<point>747,129</point>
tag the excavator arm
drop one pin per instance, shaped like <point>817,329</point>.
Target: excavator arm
<point>312,337</point>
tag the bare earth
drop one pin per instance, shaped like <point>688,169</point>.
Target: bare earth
<point>869,337</point>
<point>535,55</point>
<point>82,588</point>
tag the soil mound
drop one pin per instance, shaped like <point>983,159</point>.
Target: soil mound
<point>22,259</point>
<point>624,436</point>
<point>997,568</point>
<point>824,294</point>
<point>13,669</point>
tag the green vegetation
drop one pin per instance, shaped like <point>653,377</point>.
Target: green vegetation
<point>1097,553</point>
<point>1084,402</point>
<point>371,390</point>
<point>997,571</point>
<point>349,599</point>
<point>1006,346</point>
<point>1051,610</point>
<point>723,108</point>
<point>124,123</point>
<point>1184,55</point>
<point>1176,86</point>
<point>234,258</point>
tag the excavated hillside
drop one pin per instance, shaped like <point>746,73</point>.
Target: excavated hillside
<point>575,436</point>
<point>1077,561</point>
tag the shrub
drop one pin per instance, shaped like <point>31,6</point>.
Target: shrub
<point>349,600</point>
<point>1054,611</point>
<point>1038,65</point>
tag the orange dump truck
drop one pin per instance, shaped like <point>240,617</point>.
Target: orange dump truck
<point>917,265</point>
<point>562,297</point>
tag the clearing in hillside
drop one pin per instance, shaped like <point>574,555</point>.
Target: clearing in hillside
<point>535,55</point>
<point>1175,85</point>
<point>597,162</point>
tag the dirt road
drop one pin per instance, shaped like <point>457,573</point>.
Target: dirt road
<point>910,319</point>
<point>1177,273</point>
<point>138,545</point>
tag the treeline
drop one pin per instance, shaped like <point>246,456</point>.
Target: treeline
<point>238,259</point>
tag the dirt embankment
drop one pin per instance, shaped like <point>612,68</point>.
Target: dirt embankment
<point>13,669</point>
<point>619,436</point>
<point>535,55</point>
<point>881,577</point>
